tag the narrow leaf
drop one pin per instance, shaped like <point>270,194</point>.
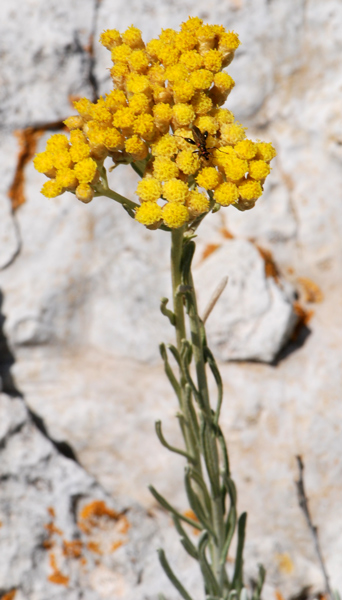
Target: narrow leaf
<point>165,504</point>
<point>238,572</point>
<point>158,428</point>
<point>168,571</point>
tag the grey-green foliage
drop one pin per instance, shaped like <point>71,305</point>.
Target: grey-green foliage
<point>210,489</point>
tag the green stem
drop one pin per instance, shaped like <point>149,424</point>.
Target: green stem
<point>188,426</point>
<point>212,457</point>
<point>102,191</point>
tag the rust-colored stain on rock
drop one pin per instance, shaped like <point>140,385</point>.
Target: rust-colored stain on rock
<point>56,577</point>
<point>271,269</point>
<point>28,139</point>
<point>312,292</point>
<point>209,249</point>
<point>9,595</point>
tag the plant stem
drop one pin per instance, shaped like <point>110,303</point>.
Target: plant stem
<point>213,457</point>
<point>188,429</point>
<point>117,197</point>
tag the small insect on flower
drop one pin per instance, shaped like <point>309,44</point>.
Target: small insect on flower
<point>200,141</point>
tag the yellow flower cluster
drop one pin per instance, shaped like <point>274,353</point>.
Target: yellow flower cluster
<point>164,110</point>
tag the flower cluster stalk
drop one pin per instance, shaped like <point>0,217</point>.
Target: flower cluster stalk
<point>209,487</point>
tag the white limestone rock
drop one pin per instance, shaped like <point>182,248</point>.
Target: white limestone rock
<point>43,59</point>
<point>9,232</point>
<point>253,318</point>
<point>47,549</point>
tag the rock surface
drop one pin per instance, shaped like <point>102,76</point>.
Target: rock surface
<point>61,534</point>
<point>81,287</point>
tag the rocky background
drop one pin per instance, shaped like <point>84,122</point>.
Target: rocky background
<point>82,381</point>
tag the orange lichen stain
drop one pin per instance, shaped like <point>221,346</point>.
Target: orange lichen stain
<point>94,547</point>
<point>285,563</point>
<point>278,595</point>
<point>95,509</point>
<point>271,269</point>
<point>124,524</point>
<point>83,560</point>
<point>226,234</point>
<point>48,544</point>
<point>312,292</point>
<point>72,549</point>
<point>209,249</point>
<point>51,528</point>
<point>9,595</point>
<point>57,577</point>
<point>51,512</point>
<point>0,523</point>
<point>116,545</point>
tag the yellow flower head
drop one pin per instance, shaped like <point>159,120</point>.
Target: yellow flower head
<point>148,213</point>
<point>162,113</point>
<point>177,72</point>
<point>175,190</point>
<point>208,178</point>
<point>164,168</point>
<point>192,60</point>
<point>84,192</point>
<point>149,189</point>
<point>201,103</point>
<point>166,146</point>
<point>57,142</point>
<point>258,169</point>
<point>144,126</point>
<point>226,193</point>
<point>207,123</point>
<point>188,162</point>
<point>43,163</point>
<point>186,40</point>
<point>222,115</point>
<point>124,118</point>
<point>110,38</point>
<point>183,114</point>
<point>201,79</point>
<point>183,91</point>
<point>235,168</point>
<point>132,37</point>
<point>265,151</point>
<point>197,204</point>
<point>74,122</point>
<point>120,54</point>
<point>138,61</point>
<point>250,190</point>
<point>139,103</point>
<point>192,24</point>
<point>62,159</point>
<point>137,147</point>
<point>245,149</point>
<point>213,60</point>
<point>138,84</point>
<point>51,189</point>
<point>85,170</point>
<point>67,178</point>
<point>232,133</point>
<point>79,150</point>
<point>175,215</point>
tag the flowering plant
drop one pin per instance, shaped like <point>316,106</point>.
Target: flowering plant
<point>167,99</point>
